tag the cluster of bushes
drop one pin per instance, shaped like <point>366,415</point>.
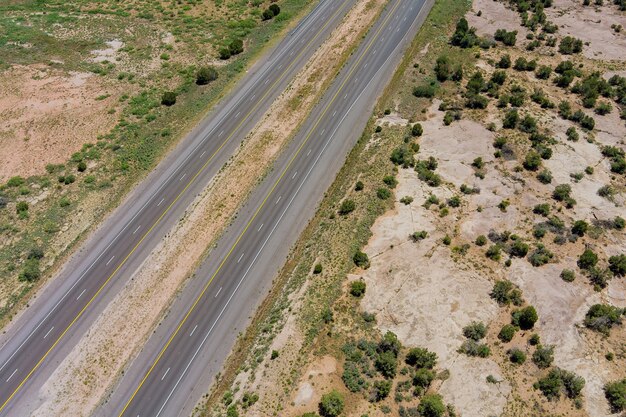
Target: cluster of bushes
<point>507,38</point>
<point>464,36</point>
<point>404,155</point>
<point>615,393</point>
<point>31,271</point>
<point>559,381</point>
<point>570,45</point>
<point>591,87</point>
<point>616,156</point>
<point>475,332</point>
<point>272,11</point>
<point>602,317</point>
<point>505,293</point>
<point>234,47</point>
<point>426,171</point>
<point>444,70</point>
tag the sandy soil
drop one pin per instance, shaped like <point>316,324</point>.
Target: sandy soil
<point>111,341</point>
<point>48,115</point>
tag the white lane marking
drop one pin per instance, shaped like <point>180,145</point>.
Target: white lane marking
<point>218,292</point>
<point>112,257</point>
<point>193,331</point>
<point>334,113</point>
<point>137,229</point>
<point>346,96</point>
<point>260,227</point>
<point>182,176</point>
<point>238,113</point>
<point>51,329</point>
<point>161,202</point>
<point>202,154</point>
<point>323,130</point>
<point>239,260</point>
<point>220,135</point>
<point>166,372</point>
<point>81,294</point>
<point>9,378</point>
<point>266,81</point>
<point>294,175</point>
<point>280,66</point>
<point>375,50</point>
<point>279,199</point>
<point>253,97</point>
<point>308,153</point>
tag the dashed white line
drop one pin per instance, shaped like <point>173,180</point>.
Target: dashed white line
<point>193,331</point>
<point>161,202</point>
<point>202,154</point>
<point>218,292</point>
<point>279,199</point>
<point>346,96</point>
<point>81,294</point>
<point>239,260</point>
<point>238,113</point>
<point>112,257</point>
<point>182,176</point>
<point>334,113</point>
<point>9,378</point>
<point>260,227</point>
<point>308,153</point>
<point>52,328</point>
<point>220,135</point>
<point>163,377</point>
<point>266,81</point>
<point>294,175</point>
<point>137,229</point>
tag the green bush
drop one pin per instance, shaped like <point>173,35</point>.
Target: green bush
<point>543,72</point>
<point>504,62</point>
<point>21,207</point>
<point>422,378</point>
<point>518,249</point>
<point>168,98</point>
<point>347,206</point>
<point>417,130</point>
<point>516,356</point>
<point>352,377</point>
<point>568,275</point>
<point>493,252</point>
<point>390,181</point>
<point>331,404</point>
<point>540,256</point>
<point>587,259</point>
<point>559,380</point>
<point>381,390</point>
<point>602,317</point>
<point>475,331</point>
<point>317,269</point>
<point>417,236</point>
<point>617,265</point>
<point>361,259</point>
<point>542,209</point>
<point>205,75</point>
<point>424,91</point>
<point>481,240</point>
<point>357,288</point>
<point>383,193</point>
<point>16,181</point>
<point>443,68</point>
<point>570,45</point>
<point>507,332</point>
<point>511,119</point>
<point>359,186</point>
<point>544,177</point>
<point>615,393</point>
<point>31,271</point>
<point>580,227</point>
<point>386,363</point>
<point>473,348</point>
<point>505,293</point>
<point>524,318</point>
<point>464,36</point>
<point>507,38</point>
<point>431,405</point>
<point>421,358</point>
<point>543,356</point>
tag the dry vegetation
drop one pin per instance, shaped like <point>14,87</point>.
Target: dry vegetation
<point>84,115</point>
<point>505,254</point>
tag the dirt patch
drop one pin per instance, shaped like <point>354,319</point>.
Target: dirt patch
<point>48,115</point>
<point>98,358</point>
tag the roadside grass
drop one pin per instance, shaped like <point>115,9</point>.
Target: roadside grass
<point>116,161</point>
<point>331,239</point>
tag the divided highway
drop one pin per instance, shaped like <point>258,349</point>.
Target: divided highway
<point>38,340</point>
<point>187,349</point>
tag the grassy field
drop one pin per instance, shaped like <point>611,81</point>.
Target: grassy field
<point>138,50</point>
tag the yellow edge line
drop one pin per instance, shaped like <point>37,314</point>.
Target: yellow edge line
<point>169,208</point>
<point>193,307</point>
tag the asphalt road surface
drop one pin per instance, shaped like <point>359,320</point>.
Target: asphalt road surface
<point>187,349</point>
<point>37,341</point>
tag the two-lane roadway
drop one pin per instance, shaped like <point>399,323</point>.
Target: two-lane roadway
<point>188,347</point>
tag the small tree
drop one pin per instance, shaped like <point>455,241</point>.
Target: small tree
<point>331,404</point>
<point>386,364</point>
<point>431,405</point>
<point>357,288</point>
<point>587,260</point>
<point>417,130</point>
<point>361,259</point>
<point>543,356</point>
<point>421,358</point>
<point>507,332</point>
<point>475,331</point>
<point>168,98</point>
<point>443,68</point>
<point>524,318</point>
<point>347,206</point>
<point>580,227</point>
<point>615,393</point>
<point>205,75</point>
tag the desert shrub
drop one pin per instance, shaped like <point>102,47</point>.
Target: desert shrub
<point>402,156</point>
<point>205,75</point>
<point>543,356</point>
<point>603,108</point>
<point>417,236</point>
<point>587,259</point>
<point>359,186</point>
<point>528,124</point>
<point>390,181</point>
<point>331,404</point>
<point>558,381</point>
<point>317,269</point>
<point>545,176</point>
<point>361,259</point>
<point>475,331</point>
<point>534,339</point>
<point>421,358</point>
<point>424,91</point>
<point>606,191</point>
<point>572,134</point>
<point>30,272</point>
<point>381,390</point>
<point>386,364</point>
<point>511,119</point>
<point>516,356</point>
<point>21,207</point>
<point>543,72</point>
<point>580,227</point>
<point>602,317</point>
<point>540,256</point>
<point>518,249</point>
<point>383,193</point>
<point>615,393</point>
<point>507,38</point>
<point>406,200</point>
<point>507,332</point>
<point>562,192</point>
<point>417,130</point>
<point>524,318</point>
<point>521,64</point>
<point>464,36</point>
<point>542,209</point>
<point>473,348</point>
<point>493,252</point>
<point>619,223</point>
<point>422,378</point>
<point>357,288</point>
<point>568,275</point>
<point>431,405</point>
<point>443,68</point>
<point>617,265</point>
<point>570,45</point>
<point>498,77</point>
<point>168,98</point>
<point>481,240</point>
<point>347,206</point>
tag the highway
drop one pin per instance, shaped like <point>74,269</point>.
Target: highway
<point>44,333</point>
<point>187,349</point>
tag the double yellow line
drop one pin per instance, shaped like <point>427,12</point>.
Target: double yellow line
<point>258,210</point>
<point>191,181</point>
